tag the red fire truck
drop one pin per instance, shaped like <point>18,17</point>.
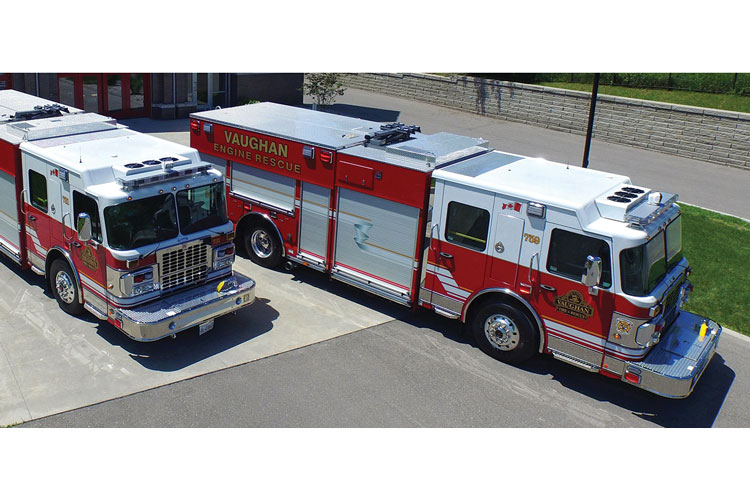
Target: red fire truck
<point>129,227</point>
<point>534,256</point>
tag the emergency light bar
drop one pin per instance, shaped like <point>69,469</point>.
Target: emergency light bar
<point>167,172</point>
<point>647,211</point>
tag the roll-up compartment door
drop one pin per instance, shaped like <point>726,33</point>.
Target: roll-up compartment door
<point>376,239</point>
<point>266,187</point>
<point>9,237</point>
<point>313,235</point>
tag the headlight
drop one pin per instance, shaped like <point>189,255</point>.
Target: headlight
<point>223,256</point>
<point>138,282</point>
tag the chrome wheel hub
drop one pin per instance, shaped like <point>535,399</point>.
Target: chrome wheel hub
<point>261,243</point>
<point>502,332</point>
<point>65,287</point>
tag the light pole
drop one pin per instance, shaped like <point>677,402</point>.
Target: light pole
<point>590,129</point>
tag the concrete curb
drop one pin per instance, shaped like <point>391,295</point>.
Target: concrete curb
<point>732,333</point>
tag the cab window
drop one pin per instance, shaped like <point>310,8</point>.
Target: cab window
<point>467,225</point>
<point>85,204</point>
<point>38,190</point>
<point>568,252</point>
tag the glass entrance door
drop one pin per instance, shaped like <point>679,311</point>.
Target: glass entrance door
<point>120,95</point>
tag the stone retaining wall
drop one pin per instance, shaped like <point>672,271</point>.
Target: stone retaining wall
<point>704,134</point>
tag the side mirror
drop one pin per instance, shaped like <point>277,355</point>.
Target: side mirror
<point>593,276</point>
<point>83,226</point>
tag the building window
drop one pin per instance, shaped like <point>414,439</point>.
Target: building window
<point>568,252</point>
<point>467,225</point>
<point>114,93</point>
<point>137,94</point>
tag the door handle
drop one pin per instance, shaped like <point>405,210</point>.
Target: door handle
<point>32,218</point>
<point>446,255</point>
<point>548,288</point>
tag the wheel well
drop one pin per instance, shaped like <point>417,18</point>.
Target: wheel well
<point>53,255</point>
<point>254,218</point>
<point>510,300</point>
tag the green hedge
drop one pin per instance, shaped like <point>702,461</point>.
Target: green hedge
<point>722,83</point>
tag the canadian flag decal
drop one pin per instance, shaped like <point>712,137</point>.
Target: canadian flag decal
<point>516,207</point>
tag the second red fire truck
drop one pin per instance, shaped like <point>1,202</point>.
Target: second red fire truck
<point>534,256</point>
<point>128,227</point>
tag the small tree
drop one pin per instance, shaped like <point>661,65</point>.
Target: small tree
<point>323,87</point>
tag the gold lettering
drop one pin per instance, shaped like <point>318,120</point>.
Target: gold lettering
<point>283,150</point>
<point>227,135</point>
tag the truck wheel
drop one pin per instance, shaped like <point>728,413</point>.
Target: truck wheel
<point>262,245</point>
<point>63,284</point>
<point>505,333</point>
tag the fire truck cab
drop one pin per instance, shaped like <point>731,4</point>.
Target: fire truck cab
<point>534,256</point>
<point>127,226</point>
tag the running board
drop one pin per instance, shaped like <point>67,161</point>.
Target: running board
<point>93,310</point>
<point>445,312</point>
<point>574,361</point>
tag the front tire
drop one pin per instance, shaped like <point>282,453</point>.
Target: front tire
<point>505,333</point>
<point>262,245</point>
<point>63,284</point>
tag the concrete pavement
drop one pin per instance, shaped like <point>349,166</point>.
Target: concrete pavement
<point>363,378</point>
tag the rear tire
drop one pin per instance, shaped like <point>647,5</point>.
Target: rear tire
<point>262,245</point>
<point>63,284</point>
<point>505,333</point>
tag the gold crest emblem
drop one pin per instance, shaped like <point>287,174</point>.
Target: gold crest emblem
<point>573,304</point>
<point>89,259</point>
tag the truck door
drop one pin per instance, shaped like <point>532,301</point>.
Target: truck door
<point>88,257</point>
<point>505,250</point>
<point>459,247</point>
<point>38,211</point>
<point>577,321</point>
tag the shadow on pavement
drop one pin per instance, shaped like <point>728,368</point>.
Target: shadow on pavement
<point>700,409</point>
<point>150,126</point>
<point>188,348</point>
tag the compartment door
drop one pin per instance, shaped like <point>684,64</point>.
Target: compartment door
<point>269,188</point>
<point>9,230</point>
<point>376,242</point>
<point>314,215</point>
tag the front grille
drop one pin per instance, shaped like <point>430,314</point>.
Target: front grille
<point>179,267</point>
<point>670,302</point>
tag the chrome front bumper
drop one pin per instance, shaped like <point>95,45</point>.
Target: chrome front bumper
<point>675,364</point>
<point>184,310</point>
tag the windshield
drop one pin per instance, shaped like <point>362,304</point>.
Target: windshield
<point>141,222</point>
<point>201,208</point>
<point>643,267</point>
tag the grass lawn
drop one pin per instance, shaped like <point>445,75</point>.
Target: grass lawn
<point>728,102</point>
<point>718,249</point>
